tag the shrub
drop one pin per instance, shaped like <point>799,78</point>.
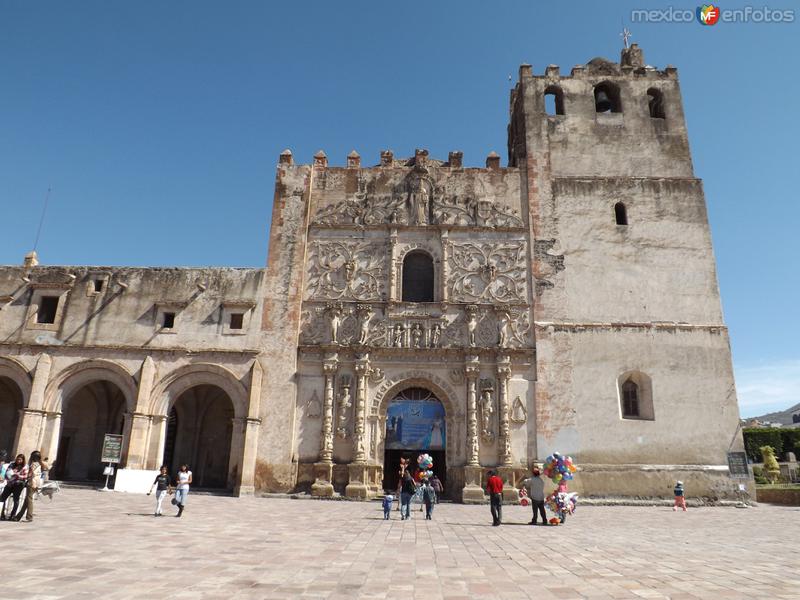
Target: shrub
<point>791,440</point>
<point>770,463</point>
<point>756,437</point>
<point>758,476</point>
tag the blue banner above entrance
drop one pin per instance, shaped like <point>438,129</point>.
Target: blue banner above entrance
<point>415,420</point>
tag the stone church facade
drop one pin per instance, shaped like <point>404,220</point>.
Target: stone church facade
<point>488,316</point>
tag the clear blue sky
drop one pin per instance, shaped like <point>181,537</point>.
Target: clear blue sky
<point>159,124</point>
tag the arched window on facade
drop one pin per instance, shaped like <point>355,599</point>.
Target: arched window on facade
<point>655,102</point>
<point>636,396</point>
<point>630,400</point>
<point>554,100</point>
<point>606,98</point>
<point>418,277</point>
<point>620,213</point>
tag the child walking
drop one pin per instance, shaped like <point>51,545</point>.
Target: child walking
<point>387,506</point>
<point>680,499</point>
<point>161,483</point>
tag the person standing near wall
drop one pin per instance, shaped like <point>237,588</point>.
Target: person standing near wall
<point>183,481</point>
<point>535,486</point>
<point>494,486</point>
<point>407,491</point>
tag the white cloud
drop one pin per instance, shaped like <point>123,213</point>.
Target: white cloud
<point>768,387</point>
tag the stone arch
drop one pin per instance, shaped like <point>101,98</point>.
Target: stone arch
<point>433,250</point>
<point>178,381</point>
<point>16,372</point>
<point>77,375</point>
<point>419,277</point>
<point>380,404</point>
<point>15,393</point>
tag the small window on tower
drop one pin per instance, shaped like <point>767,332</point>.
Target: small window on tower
<point>48,307</point>
<point>98,285</point>
<point>554,100</point>
<point>606,98</point>
<point>620,213</point>
<point>168,321</point>
<point>630,400</point>
<point>655,102</point>
<point>237,321</point>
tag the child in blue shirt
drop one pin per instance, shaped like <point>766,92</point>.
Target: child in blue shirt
<point>387,506</point>
<point>680,499</point>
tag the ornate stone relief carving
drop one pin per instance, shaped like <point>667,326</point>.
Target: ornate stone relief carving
<point>487,272</point>
<point>345,404</point>
<point>346,270</point>
<point>519,414</point>
<point>457,376</point>
<point>487,412</point>
<point>417,200</point>
<point>313,406</point>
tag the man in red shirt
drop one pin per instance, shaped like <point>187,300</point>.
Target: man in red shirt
<point>494,486</point>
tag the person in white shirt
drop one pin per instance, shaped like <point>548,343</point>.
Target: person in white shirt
<point>183,481</point>
<point>535,487</point>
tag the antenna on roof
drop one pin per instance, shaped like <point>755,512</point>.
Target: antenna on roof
<point>41,220</point>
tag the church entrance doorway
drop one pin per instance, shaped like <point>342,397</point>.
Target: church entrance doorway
<point>199,430</point>
<point>10,407</point>
<point>415,424</point>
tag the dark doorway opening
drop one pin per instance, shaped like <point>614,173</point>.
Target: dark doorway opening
<point>391,466</point>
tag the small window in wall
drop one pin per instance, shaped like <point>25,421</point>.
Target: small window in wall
<point>630,400</point>
<point>606,98</point>
<point>236,321</point>
<point>97,285</point>
<point>655,102</point>
<point>620,213</point>
<point>48,308</point>
<point>554,100</point>
<point>418,280</point>
<point>168,320</point>
<point>636,396</point>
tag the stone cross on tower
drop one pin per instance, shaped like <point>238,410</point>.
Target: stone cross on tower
<point>625,35</point>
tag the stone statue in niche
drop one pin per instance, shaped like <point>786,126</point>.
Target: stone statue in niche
<point>504,329</point>
<point>345,402</point>
<point>335,313</point>
<point>314,406</point>
<point>365,314</point>
<point>518,412</point>
<point>416,335</point>
<point>487,410</point>
<point>419,203</point>
<point>436,335</point>
<point>472,324</point>
<point>398,336</point>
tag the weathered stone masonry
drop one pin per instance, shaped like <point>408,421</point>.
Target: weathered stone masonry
<point>565,302</point>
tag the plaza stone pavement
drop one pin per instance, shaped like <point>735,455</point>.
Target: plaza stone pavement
<point>88,544</point>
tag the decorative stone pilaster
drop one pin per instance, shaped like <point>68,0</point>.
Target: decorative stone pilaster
<point>250,428</point>
<point>395,271</point>
<point>323,470</point>
<point>137,426</point>
<point>445,276</point>
<point>503,375</point>
<point>358,484</point>
<point>32,427</point>
<point>472,492</point>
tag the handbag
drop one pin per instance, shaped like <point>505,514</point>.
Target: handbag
<point>174,502</point>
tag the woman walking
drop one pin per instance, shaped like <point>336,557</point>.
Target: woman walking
<point>184,480</point>
<point>34,482</point>
<point>407,491</point>
<point>161,483</point>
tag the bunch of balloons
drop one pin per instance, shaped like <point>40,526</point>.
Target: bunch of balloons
<point>558,467</point>
<point>562,503</point>
<point>425,463</point>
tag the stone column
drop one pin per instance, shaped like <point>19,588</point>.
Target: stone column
<point>445,270</point>
<point>137,425</point>
<point>32,417</point>
<point>358,484</point>
<point>473,492</point>
<point>394,268</point>
<point>506,470</point>
<point>323,469</point>
<point>250,427</point>
<point>156,442</point>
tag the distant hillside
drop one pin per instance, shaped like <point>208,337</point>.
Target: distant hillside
<point>783,417</point>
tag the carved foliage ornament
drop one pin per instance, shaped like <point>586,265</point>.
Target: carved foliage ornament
<point>346,271</point>
<point>487,272</point>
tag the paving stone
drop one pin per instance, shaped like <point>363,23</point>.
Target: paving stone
<point>86,544</point>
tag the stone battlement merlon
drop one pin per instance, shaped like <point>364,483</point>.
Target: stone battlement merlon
<point>389,161</point>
